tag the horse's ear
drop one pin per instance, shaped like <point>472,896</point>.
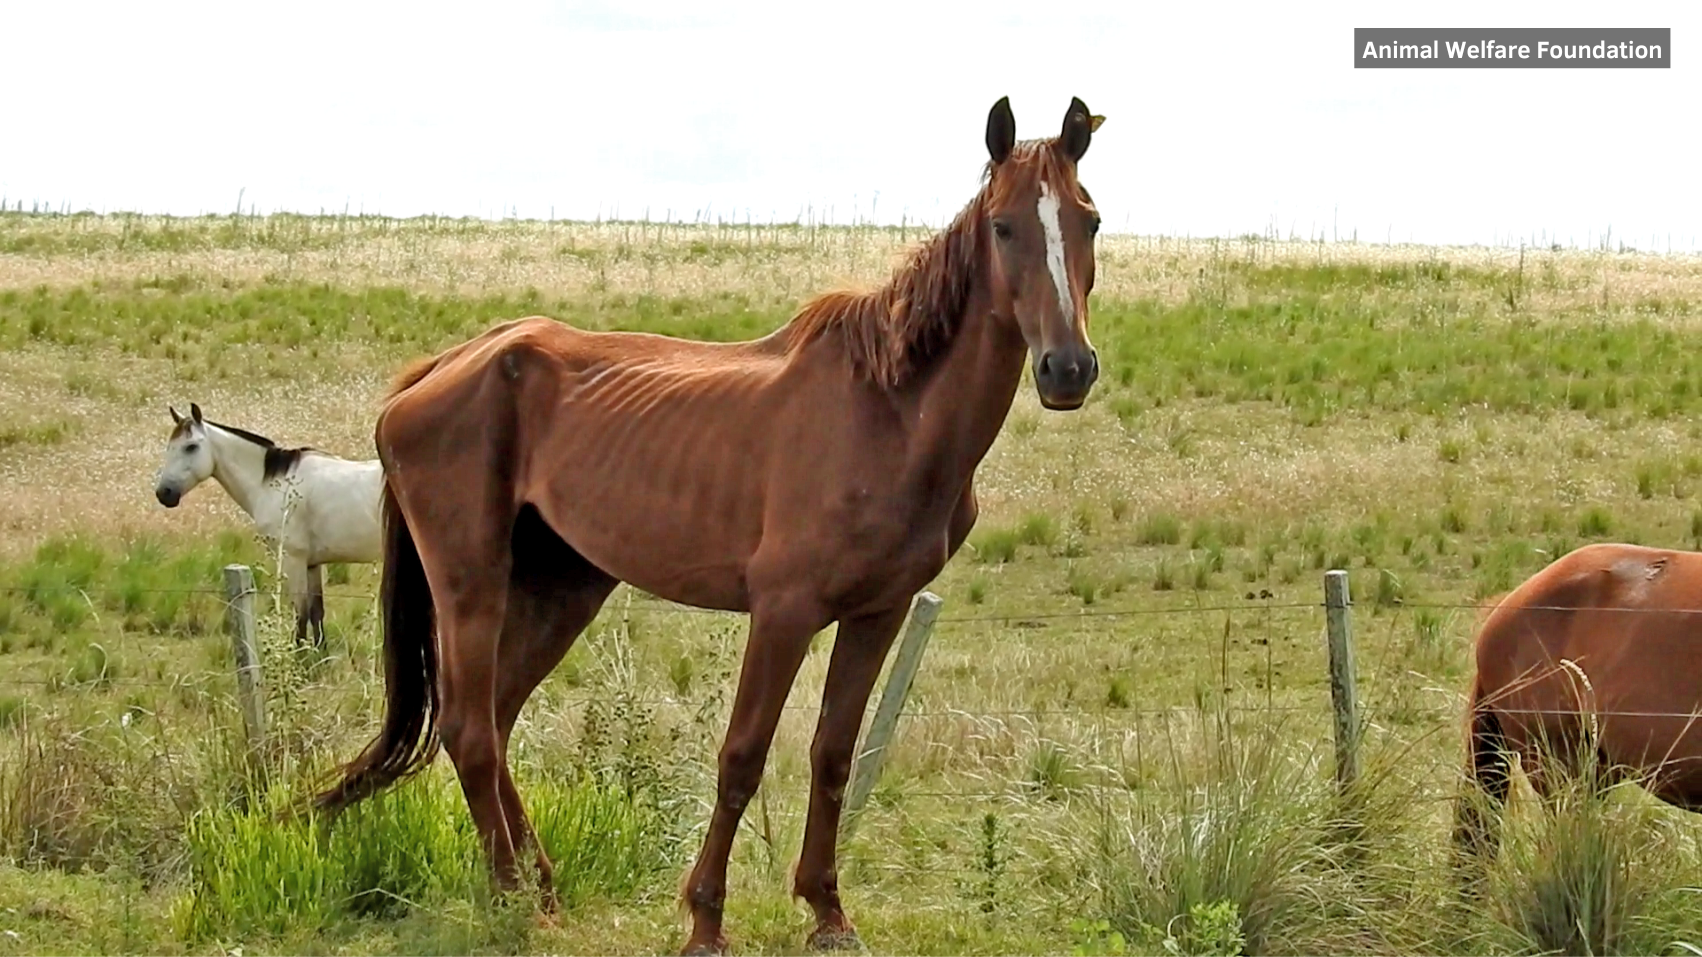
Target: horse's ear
<point>175,418</point>
<point>1077,133</point>
<point>195,413</point>
<point>1001,130</point>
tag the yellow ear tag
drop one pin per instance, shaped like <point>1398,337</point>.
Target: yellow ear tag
<point>1093,123</point>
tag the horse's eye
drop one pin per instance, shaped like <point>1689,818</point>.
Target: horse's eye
<point>1001,229</point>
<point>191,447</point>
<point>1093,226</point>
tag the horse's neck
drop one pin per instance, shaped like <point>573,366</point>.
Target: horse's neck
<point>963,398</point>
<point>239,466</point>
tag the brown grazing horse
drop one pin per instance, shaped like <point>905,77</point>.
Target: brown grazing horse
<point>823,473</point>
<point>1593,665</point>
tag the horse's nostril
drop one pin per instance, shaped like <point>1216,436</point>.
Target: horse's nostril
<point>1045,366</point>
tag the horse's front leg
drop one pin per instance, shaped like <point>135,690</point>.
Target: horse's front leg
<point>858,651</point>
<point>779,638</point>
<point>294,569</point>
<point>316,604</point>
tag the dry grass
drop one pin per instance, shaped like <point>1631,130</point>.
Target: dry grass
<point>786,262</point>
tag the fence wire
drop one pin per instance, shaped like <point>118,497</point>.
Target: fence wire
<point>652,603</point>
<point>646,604</point>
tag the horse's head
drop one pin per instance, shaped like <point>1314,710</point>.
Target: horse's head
<point>188,461</point>
<point>1043,222</point>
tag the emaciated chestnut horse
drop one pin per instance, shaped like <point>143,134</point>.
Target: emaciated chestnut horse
<point>823,473</point>
<point>1594,666</point>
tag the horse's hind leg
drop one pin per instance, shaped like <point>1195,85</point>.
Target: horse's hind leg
<point>780,635</point>
<point>1488,780</point>
<point>858,651</point>
<point>470,589</point>
<point>553,593</point>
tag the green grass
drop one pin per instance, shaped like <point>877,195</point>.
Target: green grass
<point>1162,528</point>
<point>1000,545</point>
<point>1318,353</point>
<point>71,581</point>
<point>1326,354</point>
<point>43,433</point>
<point>186,319</point>
<point>410,848</point>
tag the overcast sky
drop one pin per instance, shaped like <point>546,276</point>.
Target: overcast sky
<point>1222,119</point>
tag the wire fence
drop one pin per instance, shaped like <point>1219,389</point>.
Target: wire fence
<point>645,604</point>
<point>651,602</point>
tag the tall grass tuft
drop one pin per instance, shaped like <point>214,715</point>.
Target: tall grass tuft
<point>1595,871</point>
<point>1159,528</point>
<point>83,796</point>
<point>1240,830</point>
<point>603,843</point>
<point>405,849</point>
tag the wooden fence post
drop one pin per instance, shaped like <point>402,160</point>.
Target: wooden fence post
<point>923,611</point>
<point>1338,614</point>
<point>239,620</point>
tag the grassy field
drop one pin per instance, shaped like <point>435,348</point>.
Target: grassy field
<point>1119,738</point>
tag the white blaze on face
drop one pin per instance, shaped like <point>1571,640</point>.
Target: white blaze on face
<point>1048,210</point>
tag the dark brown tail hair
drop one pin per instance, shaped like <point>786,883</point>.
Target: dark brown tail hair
<point>408,741</point>
<point>1488,778</point>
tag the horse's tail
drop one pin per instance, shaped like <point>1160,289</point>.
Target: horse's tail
<point>1489,776</point>
<point>408,741</point>
<point>414,371</point>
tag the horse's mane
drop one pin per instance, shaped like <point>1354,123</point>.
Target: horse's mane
<point>891,330</point>
<point>278,460</point>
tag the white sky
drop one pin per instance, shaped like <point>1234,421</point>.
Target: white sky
<point>1222,118</point>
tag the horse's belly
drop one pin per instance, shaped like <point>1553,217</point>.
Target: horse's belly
<point>350,538</point>
<point>695,560</point>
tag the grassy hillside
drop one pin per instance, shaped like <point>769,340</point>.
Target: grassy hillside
<point>1119,738</point>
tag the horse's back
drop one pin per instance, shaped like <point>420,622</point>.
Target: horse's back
<point>1616,626</point>
<point>576,348</point>
<point>539,369</point>
<point>1597,582</point>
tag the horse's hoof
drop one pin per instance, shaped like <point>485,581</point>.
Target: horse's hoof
<point>830,938</point>
<point>714,948</point>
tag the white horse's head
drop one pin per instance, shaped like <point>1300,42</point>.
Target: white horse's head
<point>188,458</point>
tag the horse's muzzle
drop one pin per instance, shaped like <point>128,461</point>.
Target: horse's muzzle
<point>1064,377</point>
<point>169,497</point>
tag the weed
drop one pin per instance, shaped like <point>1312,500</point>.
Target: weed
<point>1596,522</point>
<point>1159,528</point>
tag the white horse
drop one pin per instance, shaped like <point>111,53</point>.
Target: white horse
<point>312,506</point>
